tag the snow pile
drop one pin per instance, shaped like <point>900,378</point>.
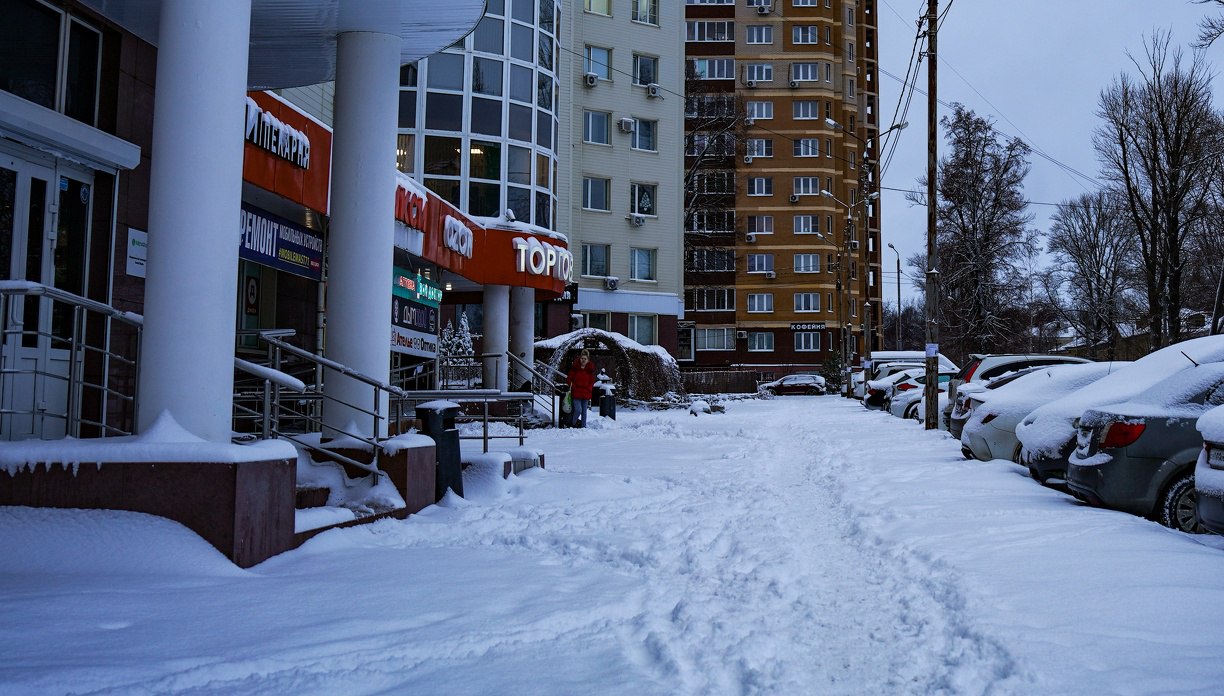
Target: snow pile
<point>483,476</point>
<point>699,406</point>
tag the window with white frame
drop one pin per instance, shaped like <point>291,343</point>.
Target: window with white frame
<point>642,328</point>
<point>713,299</point>
<point>828,71</point>
<point>710,259</point>
<point>807,147</point>
<point>759,109</point>
<point>759,147</point>
<point>807,3</point>
<point>829,302</point>
<point>807,302</point>
<point>804,109</point>
<point>708,221</point>
<point>603,7</point>
<point>849,16</point>
<point>716,181</point>
<point>759,72</point>
<point>598,60</point>
<point>805,72</point>
<point>807,341</point>
<point>805,34</point>
<point>646,11</point>
<point>806,186</point>
<point>595,259</point>
<point>806,224</point>
<point>709,105</point>
<point>596,193</point>
<point>759,224</point>
<point>760,342</point>
<point>850,88</point>
<point>642,264</point>
<point>851,158</point>
<point>714,68</point>
<point>759,34</point>
<point>709,2</point>
<point>597,127</point>
<point>646,135</point>
<point>829,149</point>
<point>759,3</point>
<point>645,69</point>
<point>760,263</point>
<point>760,186</point>
<point>850,50</point>
<point>702,30</point>
<point>853,307</point>
<point>715,339</point>
<point>828,35</point>
<point>807,263</point>
<point>760,302</point>
<point>642,198</point>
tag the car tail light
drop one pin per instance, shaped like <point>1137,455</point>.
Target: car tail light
<point>972,368</point>
<point>873,392</point>
<point>989,417</point>
<point>906,386</point>
<point>1121,434</point>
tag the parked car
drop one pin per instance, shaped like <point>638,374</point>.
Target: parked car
<point>795,384</point>
<point>1048,433</point>
<point>1209,471</point>
<point>982,368</point>
<point>990,430</point>
<point>879,357</point>
<point>912,383</point>
<point>970,394</point>
<point>877,391</point>
<point>1138,455</point>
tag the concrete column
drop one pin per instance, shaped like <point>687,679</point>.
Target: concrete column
<point>496,335</point>
<point>362,225</point>
<point>522,333</point>
<point>187,349</point>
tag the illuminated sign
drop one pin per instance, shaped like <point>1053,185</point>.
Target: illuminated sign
<point>457,237</point>
<point>414,314</point>
<point>809,326</point>
<point>268,132</point>
<point>541,258</point>
<point>410,208</point>
<point>277,243</point>
<point>416,287</point>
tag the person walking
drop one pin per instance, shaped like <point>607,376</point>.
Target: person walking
<point>581,380</point>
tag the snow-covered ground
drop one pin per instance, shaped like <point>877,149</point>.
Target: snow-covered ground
<point>798,545</point>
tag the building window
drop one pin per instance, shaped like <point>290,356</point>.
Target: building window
<point>805,72</point>
<point>599,320</point>
<point>806,109</point>
<point>603,7</point>
<point>642,198</point>
<point>645,69</point>
<point>760,34</point>
<point>807,3</point>
<point>806,186</point>
<point>595,259</point>
<point>599,62</point>
<point>760,109</point>
<point>759,72</point>
<point>760,263</point>
<point>760,342</point>
<point>642,328</point>
<point>807,263</point>
<point>646,12</point>
<point>807,341</point>
<point>807,302</point>
<point>711,260</point>
<point>714,145</point>
<point>710,30</point>
<point>850,88</point>
<point>715,181</point>
<point>806,224</point>
<point>715,339</point>
<point>807,34</point>
<point>714,300</point>
<point>807,147</point>
<point>597,127</point>
<point>645,135</point>
<point>760,224</point>
<point>709,221</point>
<point>760,302</point>
<point>759,147</point>
<point>51,59</point>
<point>596,193</point>
<point>714,68</point>
<point>642,264</point>
<point>760,186</point>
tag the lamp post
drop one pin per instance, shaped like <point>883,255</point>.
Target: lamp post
<point>890,246</point>
<point>867,342</point>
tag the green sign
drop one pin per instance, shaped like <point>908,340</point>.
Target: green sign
<point>416,288</point>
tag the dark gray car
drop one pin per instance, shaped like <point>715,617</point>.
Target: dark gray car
<point>1138,456</point>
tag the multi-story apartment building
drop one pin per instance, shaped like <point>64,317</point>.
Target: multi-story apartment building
<point>621,201</point>
<point>782,235</point>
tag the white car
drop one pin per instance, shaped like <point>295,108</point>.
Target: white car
<point>990,430</point>
<point>878,391</point>
<point>914,381</point>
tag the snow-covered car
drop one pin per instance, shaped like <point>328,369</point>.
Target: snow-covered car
<point>1048,433</point>
<point>878,391</point>
<point>1138,456</point>
<point>970,394</point>
<point>912,383</point>
<point>983,368</point>
<point>904,404</point>
<point>795,384</point>
<point>990,430</point>
<point>1209,471</point>
<point>920,408</point>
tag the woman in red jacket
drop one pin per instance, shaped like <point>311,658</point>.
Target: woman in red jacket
<point>581,380</point>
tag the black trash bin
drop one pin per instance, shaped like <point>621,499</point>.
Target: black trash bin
<point>604,393</point>
<point>438,422</point>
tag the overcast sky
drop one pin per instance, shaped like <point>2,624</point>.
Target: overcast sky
<point>1037,68</point>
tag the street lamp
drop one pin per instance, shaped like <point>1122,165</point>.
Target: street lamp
<point>843,294</point>
<point>890,246</point>
<point>867,342</point>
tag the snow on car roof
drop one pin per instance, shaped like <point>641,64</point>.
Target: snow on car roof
<point>1168,398</point>
<point>886,382</point>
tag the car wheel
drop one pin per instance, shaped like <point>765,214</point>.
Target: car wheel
<point>911,412</point>
<point>887,406</point>
<point>1179,506</point>
<point>1016,454</point>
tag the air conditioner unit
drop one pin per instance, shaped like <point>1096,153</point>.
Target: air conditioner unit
<point>794,84</point>
<point>854,245</point>
<point>747,159</point>
<point>794,198</point>
<point>764,9</point>
<point>590,79</point>
<point>750,238</point>
<point>741,334</point>
<point>637,220</point>
<point>770,274</point>
<point>611,283</point>
<point>653,90</point>
<point>748,120</point>
<point>626,125</point>
<point>750,83</point>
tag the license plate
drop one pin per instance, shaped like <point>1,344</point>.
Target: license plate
<point>1216,458</point>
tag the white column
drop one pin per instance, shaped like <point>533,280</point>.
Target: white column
<point>362,224</point>
<point>187,350</point>
<point>496,335</point>
<point>522,333</point>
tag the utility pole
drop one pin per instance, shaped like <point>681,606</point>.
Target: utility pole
<point>931,392</point>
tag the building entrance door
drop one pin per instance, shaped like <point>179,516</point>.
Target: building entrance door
<point>44,235</point>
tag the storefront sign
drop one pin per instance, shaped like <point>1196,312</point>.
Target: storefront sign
<point>137,252</point>
<point>458,237</point>
<point>809,326</point>
<point>541,258</point>
<point>414,314</point>
<point>277,243</point>
<point>415,287</point>
<point>270,133</point>
<point>287,151</point>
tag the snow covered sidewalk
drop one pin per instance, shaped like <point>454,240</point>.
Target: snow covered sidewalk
<point>793,546</point>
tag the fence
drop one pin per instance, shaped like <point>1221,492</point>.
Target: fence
<point>720,382</point>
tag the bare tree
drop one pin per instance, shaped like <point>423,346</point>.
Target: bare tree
<point>1158,145</point>
<point>983,236</point>
<point>1210,28</point>
<point>1093,253</point>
